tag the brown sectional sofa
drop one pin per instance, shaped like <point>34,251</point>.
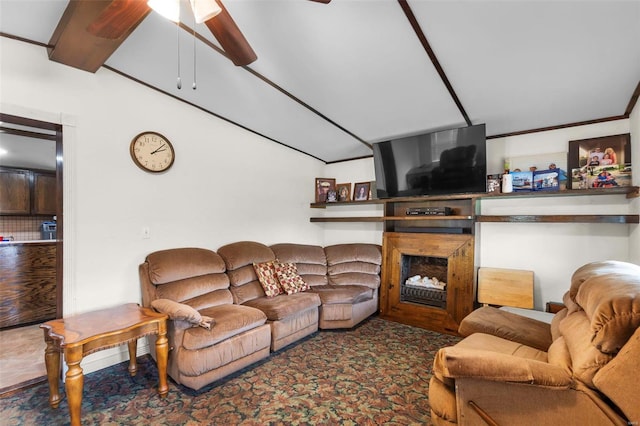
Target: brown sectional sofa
<point>222,321</point>
<point>582,369</point>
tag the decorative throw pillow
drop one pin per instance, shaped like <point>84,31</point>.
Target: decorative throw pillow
<point>289,278</point>
<point>180,311</point>
<point>267,276</point>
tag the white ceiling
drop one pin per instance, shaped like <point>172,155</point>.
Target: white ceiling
<point>353,72</point>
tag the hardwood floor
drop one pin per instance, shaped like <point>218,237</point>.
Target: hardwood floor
<point>21,358</point>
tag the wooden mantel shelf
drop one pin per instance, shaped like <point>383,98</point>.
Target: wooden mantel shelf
<point>387,218</point>
<point>561,218</point>
<point>629,192</point>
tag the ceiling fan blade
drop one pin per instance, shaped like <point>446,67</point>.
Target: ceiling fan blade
<point>225,30</point>
<point>322,1</point>
<point>119,18</point>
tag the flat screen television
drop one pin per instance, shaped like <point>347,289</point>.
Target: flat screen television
<point>444,162</point>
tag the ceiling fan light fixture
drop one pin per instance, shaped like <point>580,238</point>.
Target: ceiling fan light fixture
<point>170,9</point>
<point>203,10</point>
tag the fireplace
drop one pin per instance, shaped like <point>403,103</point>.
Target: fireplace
<point>423,280</point>
<point>427,279</point>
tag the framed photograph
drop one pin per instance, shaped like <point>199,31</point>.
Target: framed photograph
<point>522,181</point>
<point>323,186</point>
<point>344,191</point>
<point>332,196</point>
<point>361,191</point>
<point>493,183</point>
<point>546,180</point>
<point>612,152</point>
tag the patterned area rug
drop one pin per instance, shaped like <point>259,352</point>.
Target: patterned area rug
<point>377,373</point>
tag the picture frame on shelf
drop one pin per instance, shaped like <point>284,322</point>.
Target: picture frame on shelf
<point>522,181</point>
<point>590,155</point>
<point>493,183</point>
<point>361,191</point>
<point>546,180</point>
<point>332,196</point>
<point>344,191</point>
<point>323,186</point>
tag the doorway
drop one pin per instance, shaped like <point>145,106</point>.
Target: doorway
<point>34,147</point>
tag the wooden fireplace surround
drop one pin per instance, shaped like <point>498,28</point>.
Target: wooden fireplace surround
<point>458,249</point>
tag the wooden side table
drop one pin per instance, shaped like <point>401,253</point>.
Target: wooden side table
<point>83,334</point>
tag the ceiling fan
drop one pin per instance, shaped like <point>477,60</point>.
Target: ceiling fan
<point>120,16</point>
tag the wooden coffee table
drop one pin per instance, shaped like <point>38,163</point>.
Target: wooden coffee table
<point>82,334</point>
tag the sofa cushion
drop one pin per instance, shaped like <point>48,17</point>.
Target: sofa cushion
<point>230,320</point>
<point>589,270</point>
<point>612,304</point>
<point>190,288</point>
<point>619,378</point>
<point>356,278</point>
<point>266,273</point>
<point>354,264</point>
<point>176,264</point>
<point>242,253</point>
<point>282,306</point>
<point>180,311</point>
<point>586,359</point>
<point>347,294</point>
<point>289,279</point>
<point>239,258</point>
<point>309,259</point>
<point>341,253</point>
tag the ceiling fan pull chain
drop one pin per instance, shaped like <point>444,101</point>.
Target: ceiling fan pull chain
<point>178,44</point>
<point>194,55</point>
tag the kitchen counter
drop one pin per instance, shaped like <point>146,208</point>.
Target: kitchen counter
<point>27,282</point>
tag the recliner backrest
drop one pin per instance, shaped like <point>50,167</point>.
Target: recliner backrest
<point>193,276</point>
<point>358,263</point>
<point>310,261</point>
<point>239,258</point>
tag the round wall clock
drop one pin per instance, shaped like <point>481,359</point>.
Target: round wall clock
<point>152,152</point>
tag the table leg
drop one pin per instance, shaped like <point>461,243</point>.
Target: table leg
<point>74,383</point>
<point>133,367</point>
<point>52,364</point>
<point>162,355</point>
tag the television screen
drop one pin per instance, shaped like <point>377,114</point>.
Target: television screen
<point>445,162</point>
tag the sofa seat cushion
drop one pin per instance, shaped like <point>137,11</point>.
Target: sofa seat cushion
<point>343,294</point>
<point>282,306</point>
<point>503,346</point>
<point>229,321</point>
<point>488,349</point>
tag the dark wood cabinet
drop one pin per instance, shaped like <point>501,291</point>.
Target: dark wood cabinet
<point>44,193</point>
<point>25,192</point>
<point>15,191</point>
<point>27,283</point>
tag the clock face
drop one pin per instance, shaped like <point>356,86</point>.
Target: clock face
<point>152,152</point>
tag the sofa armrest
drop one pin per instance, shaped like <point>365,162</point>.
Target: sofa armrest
<point>507,325</point>
<point>455,362</point>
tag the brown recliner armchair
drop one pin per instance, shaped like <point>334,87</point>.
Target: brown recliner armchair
<point>582,369</point>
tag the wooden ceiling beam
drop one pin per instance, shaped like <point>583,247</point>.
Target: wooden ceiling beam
<point>72,44</point>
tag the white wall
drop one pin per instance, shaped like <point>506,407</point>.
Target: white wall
<point>226,185</point>
<point>553,251</point>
